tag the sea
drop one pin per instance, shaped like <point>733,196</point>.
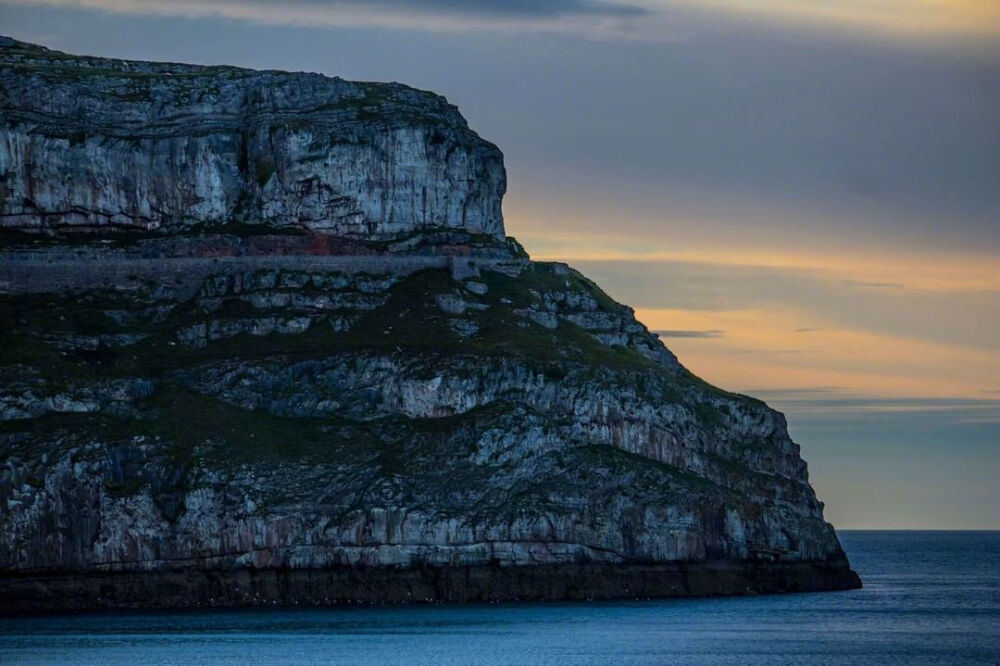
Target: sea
<point>929,598</point>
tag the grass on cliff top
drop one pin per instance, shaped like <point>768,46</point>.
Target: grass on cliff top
<point>375,102</point>
<point>26,56</point>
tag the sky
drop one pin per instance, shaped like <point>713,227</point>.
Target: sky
<point>801,196</point>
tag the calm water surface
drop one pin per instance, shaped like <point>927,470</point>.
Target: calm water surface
<point>929,598</point>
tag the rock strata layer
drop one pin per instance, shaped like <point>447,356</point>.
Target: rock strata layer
<point>266,342</point>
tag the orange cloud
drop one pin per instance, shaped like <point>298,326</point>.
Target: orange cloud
<point>767,349</point>
<point>906,17</point>
<point>914,269</point>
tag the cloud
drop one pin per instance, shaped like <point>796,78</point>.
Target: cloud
<point>531,8</point>
<point>713,333</point>
<point>875,285</point>
<point>977,18</point>
<point>828,399</point>
<point>598,18</point>
<point>825,300</point>
<point>833,403</point>
<point>767,352</point>
<point>900,17</point>
<point>801,393</point>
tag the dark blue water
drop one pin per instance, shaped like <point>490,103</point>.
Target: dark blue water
<point>929,598</point>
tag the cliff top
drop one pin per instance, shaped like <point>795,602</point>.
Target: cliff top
<point>136,81</point>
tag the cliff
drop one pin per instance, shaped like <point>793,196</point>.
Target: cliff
<point>266,342</point>
<point>106,145</point>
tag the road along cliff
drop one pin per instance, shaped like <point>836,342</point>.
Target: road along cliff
<point>265,341</point>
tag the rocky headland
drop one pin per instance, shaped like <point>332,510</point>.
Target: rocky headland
<point>265,341</point>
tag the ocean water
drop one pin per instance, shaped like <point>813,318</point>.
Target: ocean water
<point>929,598</point>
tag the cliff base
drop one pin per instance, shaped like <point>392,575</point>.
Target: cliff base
<point>192,588</point>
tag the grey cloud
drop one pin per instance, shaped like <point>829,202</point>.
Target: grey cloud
<point>481,8</point>
<point>591,19</point>
<point>531,8</point>
<point>796,393</point>
<point>712,333</point>
<point>822,400</point>
<point>833,405</point>
<point>875,285</point>
<point>770,352</point>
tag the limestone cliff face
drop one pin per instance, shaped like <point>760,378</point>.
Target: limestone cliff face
<point>98,144</point>
<point>207,415</point>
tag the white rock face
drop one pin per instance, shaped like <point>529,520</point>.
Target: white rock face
<point>99,144</point>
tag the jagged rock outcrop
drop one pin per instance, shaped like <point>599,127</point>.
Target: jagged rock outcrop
<point>256,404</point>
